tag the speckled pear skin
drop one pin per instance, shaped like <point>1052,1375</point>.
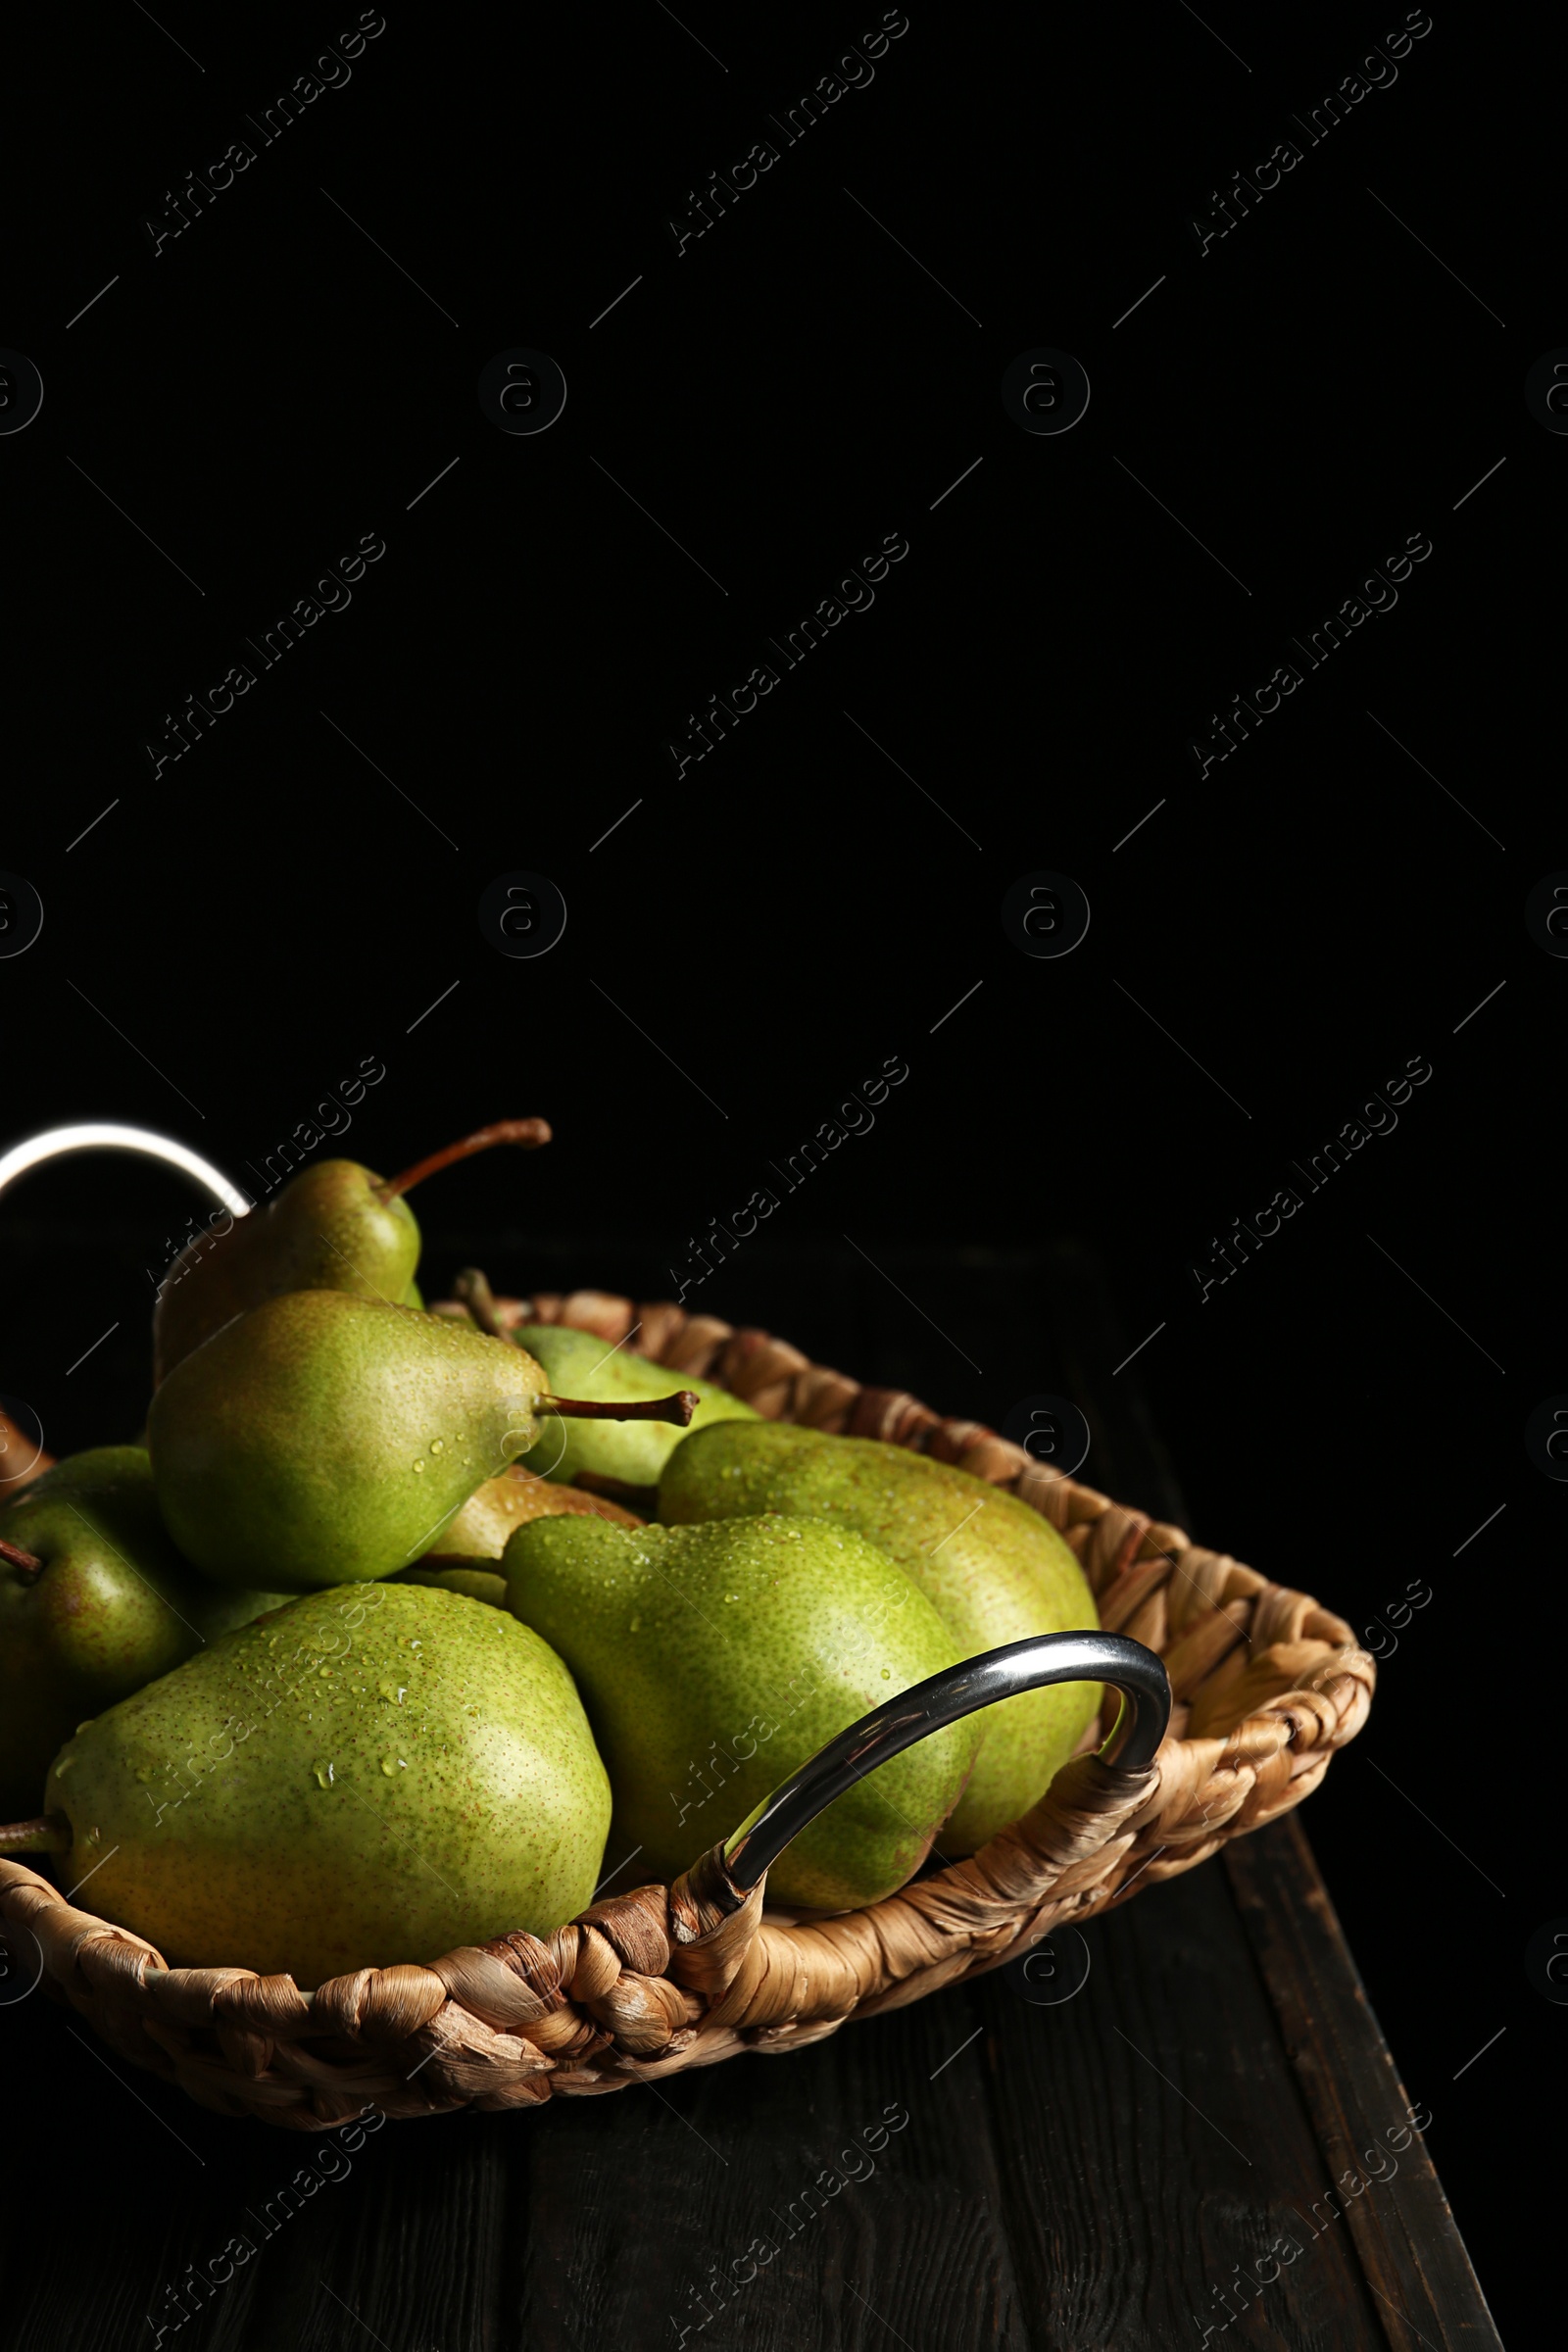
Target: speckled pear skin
<point>324,1440</point>
<point>115,1606</point>
<point>494,1510</point>
<point>479,1583</point>
<point>364,1778</point>
<point>579,1365</point>
<point>326,1231</point>
<point>480,1531</point>
<point>994,1569</point>
<point>712,1661</point>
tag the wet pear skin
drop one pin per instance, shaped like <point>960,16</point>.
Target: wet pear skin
<point>494,1510</point>
<point>360,1778</point>
<point>714,1661</point>
<point>470,1557</point>
<point>115,1606</point>
<point>995,1570</point>
<point>322,1439</point>
<point>327,1230</point>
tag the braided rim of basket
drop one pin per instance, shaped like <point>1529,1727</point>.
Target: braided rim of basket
<point>1267,1685</point>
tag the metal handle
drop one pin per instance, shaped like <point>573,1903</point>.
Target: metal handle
<point>103,1135</point>
<point>944,1698</point>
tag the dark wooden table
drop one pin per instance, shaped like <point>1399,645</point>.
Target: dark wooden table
<point>996,2165</point>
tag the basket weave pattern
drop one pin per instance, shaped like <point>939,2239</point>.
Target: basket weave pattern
<point>1267,1685</point>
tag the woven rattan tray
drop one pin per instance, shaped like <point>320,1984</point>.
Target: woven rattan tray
<point>1267,1686</point>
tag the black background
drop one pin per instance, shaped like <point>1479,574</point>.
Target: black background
<point>752,942</point>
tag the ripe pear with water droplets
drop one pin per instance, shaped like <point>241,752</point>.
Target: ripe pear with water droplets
<point>364,1778</point>
<point>336,1226</point>
<point>714,1661</point>
<point>94,1602</point>
<point>994,1569</point>
<point>325,1440</point>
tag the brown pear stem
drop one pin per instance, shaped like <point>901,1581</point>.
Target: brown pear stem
<point>473,1288</point>
<point>528,1134</point>
<point>27,1561</point>
<point>46,1833</point>
<point>679,1408</point>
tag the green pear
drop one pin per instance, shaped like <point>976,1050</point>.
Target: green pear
<point>993,1568</point>
<point>324,1440</point>
<point>479,1533</point>
<point>94,1602</point>
<point>495,1511</point>
<point>479,1583</point>
<point>334,1227</point>
<point>631,1453</point>
<point>361,1779</point>
<point>712,1661</point>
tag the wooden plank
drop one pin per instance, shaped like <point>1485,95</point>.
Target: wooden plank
<point>1154,2141</point>
<point>114,2202</point>
<point>1107,2209</point>
<point>1411,2253</point>
<point>113,2188</point>
<point>1407,2245</point>
<point>783,2198</point>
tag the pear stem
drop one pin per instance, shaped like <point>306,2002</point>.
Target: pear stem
<point>47,1833</point>
<point>473,1288</point>
<point>29,1562</point>
<point>679,1408</point>
<point>528,1134</point>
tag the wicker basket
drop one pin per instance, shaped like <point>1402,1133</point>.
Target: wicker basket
<point>1266,1684</point>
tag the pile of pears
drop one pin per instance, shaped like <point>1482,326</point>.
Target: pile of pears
<point>398,1629</point>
